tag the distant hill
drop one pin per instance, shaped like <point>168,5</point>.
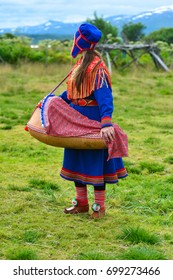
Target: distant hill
<point>48,30</point>
<point>153,20</point>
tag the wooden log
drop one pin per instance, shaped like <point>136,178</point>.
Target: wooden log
<point>159,61</point>
<point>109,62</point>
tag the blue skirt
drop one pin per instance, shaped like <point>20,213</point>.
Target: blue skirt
<point>91,166</point>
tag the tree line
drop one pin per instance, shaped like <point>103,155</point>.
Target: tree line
<point>130,32</point>
<point>16,49</point>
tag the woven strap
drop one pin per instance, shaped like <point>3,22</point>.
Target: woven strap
<point>60,83</point>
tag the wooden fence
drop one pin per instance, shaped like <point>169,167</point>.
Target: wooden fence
<point>134,52</point>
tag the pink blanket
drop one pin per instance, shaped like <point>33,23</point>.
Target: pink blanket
<point>62,120</point>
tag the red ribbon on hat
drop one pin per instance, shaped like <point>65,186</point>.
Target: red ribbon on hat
<point>92,44</point>
<point>83,37</point>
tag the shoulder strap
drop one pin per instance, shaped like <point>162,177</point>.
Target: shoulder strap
<point>60,83</point>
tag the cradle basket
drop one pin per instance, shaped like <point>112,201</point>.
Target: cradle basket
<point>37,131</point>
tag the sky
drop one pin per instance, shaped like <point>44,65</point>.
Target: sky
<point>16,13</point>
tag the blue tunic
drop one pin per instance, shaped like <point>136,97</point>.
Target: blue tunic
<point>91,166</point>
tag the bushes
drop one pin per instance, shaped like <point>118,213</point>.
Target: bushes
<point>12,50</point>
<point>15,49</point>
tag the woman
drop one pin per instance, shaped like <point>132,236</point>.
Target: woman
<point>89,92</point>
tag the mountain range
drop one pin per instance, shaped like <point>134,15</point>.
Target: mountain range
<point>161,17</point>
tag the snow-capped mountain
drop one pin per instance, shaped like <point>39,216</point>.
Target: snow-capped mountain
<point>50,27</point>
<point>152,20</point>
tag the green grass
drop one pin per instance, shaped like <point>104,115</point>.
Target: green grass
<point>42,184</point>
<point>139,220</point>
<point>137,235</point>
<point>22,254</point>
<point>142,253</point>
<point>152,167</point>
<point>169,159</point>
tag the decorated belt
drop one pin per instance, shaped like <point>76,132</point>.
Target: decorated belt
<point>85,102</point>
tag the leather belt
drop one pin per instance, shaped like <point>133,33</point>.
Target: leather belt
<point>85,102</point>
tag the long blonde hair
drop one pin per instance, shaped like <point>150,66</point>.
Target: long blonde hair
<point>81,71</point>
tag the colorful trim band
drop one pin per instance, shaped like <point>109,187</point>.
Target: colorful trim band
<point>106,120</point>
<point>93,180</point>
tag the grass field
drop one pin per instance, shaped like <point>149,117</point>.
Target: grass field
<point>139,220</point>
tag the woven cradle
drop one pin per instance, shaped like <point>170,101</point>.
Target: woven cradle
<point>37,131</point>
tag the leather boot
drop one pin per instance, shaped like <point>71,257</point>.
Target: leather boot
<point>76,209</point>
<point>97,215</point>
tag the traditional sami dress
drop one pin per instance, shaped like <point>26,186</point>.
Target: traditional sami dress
<point>91,166</point>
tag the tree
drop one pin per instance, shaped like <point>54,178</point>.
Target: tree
<point>9,36</point>
<point>108,30</point>
<point>132,31</point>
<point>164,34</point>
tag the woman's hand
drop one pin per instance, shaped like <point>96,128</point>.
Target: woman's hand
<point>108,133</point>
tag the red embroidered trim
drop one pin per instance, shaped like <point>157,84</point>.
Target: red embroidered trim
<point>106,120</point>
<point>121,172</point>
<point>73,173</point>
<point>68,174</point>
